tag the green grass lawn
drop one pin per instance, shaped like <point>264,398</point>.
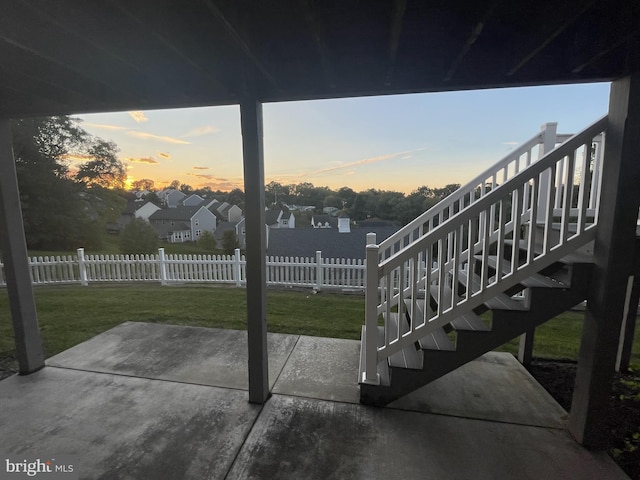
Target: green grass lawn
<point>69,315</point>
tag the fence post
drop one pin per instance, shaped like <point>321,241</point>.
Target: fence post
<point>84,279</point>
<point>370,374</point>
<point>163,266</point>
<point>237,271</point>
<point>319,271</point>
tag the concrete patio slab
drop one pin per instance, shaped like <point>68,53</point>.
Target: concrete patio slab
<point>152,408</point>
<point>203,356</point>
<point>323,368</point>
<point>298,438</point>
<point>493,387</point>
<point>123,427</point>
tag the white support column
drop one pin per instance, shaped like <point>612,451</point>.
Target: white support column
<point>253,157</point>
<point>16,263</point>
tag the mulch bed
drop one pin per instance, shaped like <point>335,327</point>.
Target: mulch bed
<point>558,378</point>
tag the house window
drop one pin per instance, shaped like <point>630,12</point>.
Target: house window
<point>285,221</point>
<point>242,231</point>
<point>187,235</point>
<point>198,233</point>
<point>197,222</point>
<point>171,223</point>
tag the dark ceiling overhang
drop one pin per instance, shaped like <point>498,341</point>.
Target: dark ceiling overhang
<point>73,56</point>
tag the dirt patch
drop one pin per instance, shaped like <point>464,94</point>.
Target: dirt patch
<point>558,378</point>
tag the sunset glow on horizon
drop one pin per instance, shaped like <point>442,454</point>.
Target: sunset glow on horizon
<point>395,142</point>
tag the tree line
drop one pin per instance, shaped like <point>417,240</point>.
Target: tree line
<point>67,204</point>
<point>371,203</point>
<point>63,205</point>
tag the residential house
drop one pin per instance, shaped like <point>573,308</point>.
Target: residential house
<point>192,200</point>
<point>324,221</point>
<point>171,197</point>
<point>279,219</point>
<point>237,228</point>
<point>146,210</point>
<point>182,224</point>
<point>304,242</point>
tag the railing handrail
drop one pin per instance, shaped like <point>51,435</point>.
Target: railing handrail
<point>464,190</point>
<point>532,171</point>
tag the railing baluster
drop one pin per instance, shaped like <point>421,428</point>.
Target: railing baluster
<point>516,208</point>
<point>584,192</point>
<point>567,194</point>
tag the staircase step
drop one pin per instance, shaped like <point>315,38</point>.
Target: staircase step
<point>574,257</point>
<point>467,321</point>
<point>535,280</point>
<point>409,356</point>
<point>505,302</point>
<point>499,301</point>
<point>470,321</point>
<point>437,340</point>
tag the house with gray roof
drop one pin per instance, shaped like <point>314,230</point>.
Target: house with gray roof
<point>304,242</point>
<point>171,197</point>
<point>182,224</point>
<point>324,221</point>
<point>192,200</point>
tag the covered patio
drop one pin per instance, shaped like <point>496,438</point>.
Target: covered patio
<point>156,409</point>
<point>160,401</point>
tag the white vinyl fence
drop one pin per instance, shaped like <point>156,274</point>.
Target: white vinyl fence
<point>317,273</point>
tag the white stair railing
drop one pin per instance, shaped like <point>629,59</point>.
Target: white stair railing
<point>516,161</point>
<point>458,250</point>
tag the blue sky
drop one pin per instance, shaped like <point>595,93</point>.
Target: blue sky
<point>395,142</point>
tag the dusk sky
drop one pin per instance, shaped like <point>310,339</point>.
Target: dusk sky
<point>395,142</point>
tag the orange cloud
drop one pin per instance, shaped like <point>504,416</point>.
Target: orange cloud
<point>201,168</point>
<point>149,160</point>
<point>138,116</point>
<point>164,155</point>
<point>158,138</point>
<point>207,177</point>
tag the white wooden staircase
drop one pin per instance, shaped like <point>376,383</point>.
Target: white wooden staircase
<point>505,253</point>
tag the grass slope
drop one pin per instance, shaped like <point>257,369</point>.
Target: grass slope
<point>69,315</point>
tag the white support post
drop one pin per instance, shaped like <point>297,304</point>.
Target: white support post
<point>319,271</point>
<point>82,267</point>
<point>549,134</point>
<point>237,271</point>
<point>370,374</point>
<point>162,263</point>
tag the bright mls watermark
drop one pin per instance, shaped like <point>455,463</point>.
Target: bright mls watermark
<point>62,467</point>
